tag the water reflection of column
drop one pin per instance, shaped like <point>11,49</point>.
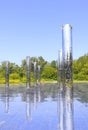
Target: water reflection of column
<point>28,106</point>
<point>7,73</point>
<point>7,100</point>
<point>39,93</point>
<point>61,108</point>
<point>67,52</point>
<point>35,68</point>
<point>35,98</point>
<point>28,62</point>
<point>39,74</point>
<point>68,109</point>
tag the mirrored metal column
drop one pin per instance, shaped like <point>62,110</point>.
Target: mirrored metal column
<point>39,74</point>
<point>60,66</point>
<point>28,69</point>
<point>7,73</point>
<point>35,72</point>
<point>67,52</point>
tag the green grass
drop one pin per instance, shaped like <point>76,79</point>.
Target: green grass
<point>77,81</point>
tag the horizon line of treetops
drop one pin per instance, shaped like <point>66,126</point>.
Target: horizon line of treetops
<point>48,70</point>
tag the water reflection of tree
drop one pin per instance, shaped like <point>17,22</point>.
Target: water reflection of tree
<point>81,92</point>
<point>48,90</point>
<point>12,95</point>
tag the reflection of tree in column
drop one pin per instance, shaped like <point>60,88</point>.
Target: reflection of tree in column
<point>60,66</point>
<point>68,67</point>
<point>39,74</point>
<point>35,72</point>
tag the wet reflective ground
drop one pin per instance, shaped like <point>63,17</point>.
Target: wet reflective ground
<point>40,108</point>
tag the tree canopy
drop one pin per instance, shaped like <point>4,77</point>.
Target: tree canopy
<point>48,71</point>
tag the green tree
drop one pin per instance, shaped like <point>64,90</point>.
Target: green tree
<point>80,68</point>
<point>53,64</point>
<point>49,73</point>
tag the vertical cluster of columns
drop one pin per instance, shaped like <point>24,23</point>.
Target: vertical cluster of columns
<point>28,71</point>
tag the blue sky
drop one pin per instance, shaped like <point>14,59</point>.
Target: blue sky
<point>33,28</point>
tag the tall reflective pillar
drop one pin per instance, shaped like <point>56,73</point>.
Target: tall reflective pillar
<point>39,74</point>
<point>60,66</point>
<point>7,74</point>
<point>67,53</point>
<point>35,72</point>
<point>28,66</point>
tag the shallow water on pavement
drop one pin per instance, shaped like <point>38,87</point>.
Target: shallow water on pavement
<point>39,108</point>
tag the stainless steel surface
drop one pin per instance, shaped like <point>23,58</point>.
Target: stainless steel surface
<point>67,52</point>
<point>28,68</point>
<point>35,72</point>
<point>7,73</point>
